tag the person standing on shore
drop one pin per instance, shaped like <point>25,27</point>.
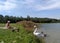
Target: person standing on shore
<point>8,24</point>
<point>11,27</point>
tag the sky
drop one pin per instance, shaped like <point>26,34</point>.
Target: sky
<point>33,8</point>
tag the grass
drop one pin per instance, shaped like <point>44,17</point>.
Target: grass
<point>23,36</point>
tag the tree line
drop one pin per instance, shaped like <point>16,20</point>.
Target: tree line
<point>13,19</point>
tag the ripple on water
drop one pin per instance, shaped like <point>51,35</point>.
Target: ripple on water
<point>53,30</point>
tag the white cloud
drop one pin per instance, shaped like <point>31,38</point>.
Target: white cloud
<point>55,5</point>
<point>46,4</point>
<point>48,7</point>
<point>7,5</point>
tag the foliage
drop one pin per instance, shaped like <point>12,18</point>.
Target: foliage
<point>4,19</point>
<point>18,37</point>
<point>26,23</point>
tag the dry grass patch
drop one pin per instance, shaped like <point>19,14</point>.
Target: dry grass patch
<point>28,25</point>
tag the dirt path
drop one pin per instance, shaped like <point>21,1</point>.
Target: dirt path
<point>3,27</point>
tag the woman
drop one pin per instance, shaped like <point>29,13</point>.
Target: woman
<point>8,24</point>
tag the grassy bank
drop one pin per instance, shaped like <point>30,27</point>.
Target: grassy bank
<point>23,36</point>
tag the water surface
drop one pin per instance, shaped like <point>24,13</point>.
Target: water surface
<point>53,31</point>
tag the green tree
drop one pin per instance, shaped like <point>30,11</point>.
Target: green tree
<point>1,19</point>
<point>28,18</point>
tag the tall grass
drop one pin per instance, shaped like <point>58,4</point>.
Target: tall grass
<point>23,36</point>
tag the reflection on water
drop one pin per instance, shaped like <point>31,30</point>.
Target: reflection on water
<point>53,31</point>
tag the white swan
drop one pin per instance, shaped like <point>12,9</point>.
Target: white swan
<point>36,33</point>
<point>39,34</point>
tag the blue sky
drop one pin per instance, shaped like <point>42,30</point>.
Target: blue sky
<point>33,8</point>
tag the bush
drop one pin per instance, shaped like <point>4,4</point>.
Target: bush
<point>29,25</point>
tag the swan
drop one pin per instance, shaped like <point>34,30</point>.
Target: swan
<point>39,34</point>
<point>35,32</point>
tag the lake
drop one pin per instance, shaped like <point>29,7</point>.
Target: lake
<point>52,30</point>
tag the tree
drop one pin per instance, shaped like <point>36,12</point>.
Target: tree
<point>28,18</point>
<point>1,19</point>
<point>6,18</point>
